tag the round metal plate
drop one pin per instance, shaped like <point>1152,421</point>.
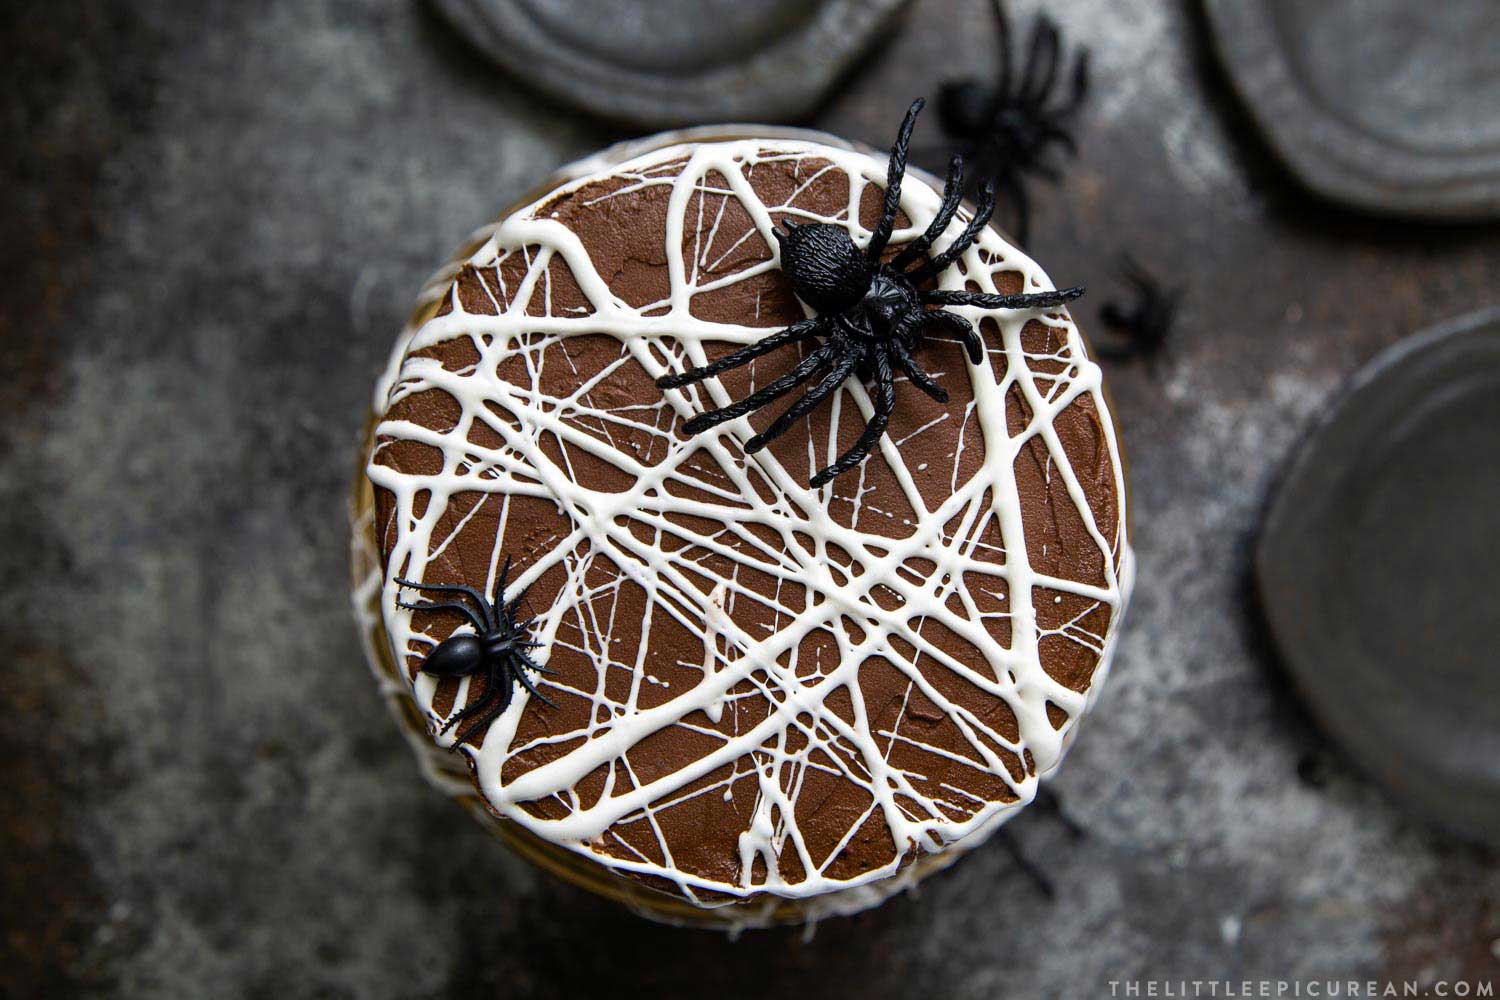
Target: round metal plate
<point>1377,569</point>
<point>674,62</point>
<point>1386,105</point>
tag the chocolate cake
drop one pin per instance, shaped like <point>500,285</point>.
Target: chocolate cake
<point>763,700</point>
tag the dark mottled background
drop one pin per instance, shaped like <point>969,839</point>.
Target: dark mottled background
<point>214,216</point>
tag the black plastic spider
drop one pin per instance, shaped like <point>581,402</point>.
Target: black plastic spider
<point>1008,130</point>
<point>1145,325</point>
<point>1046,803</point>
<point>497,649</point>
<point>871,312</point>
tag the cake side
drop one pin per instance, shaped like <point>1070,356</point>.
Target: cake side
<point>760,687</point>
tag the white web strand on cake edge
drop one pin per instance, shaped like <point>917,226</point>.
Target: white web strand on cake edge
<point>521,468</point>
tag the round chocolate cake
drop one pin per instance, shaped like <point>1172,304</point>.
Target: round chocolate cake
<point>748,697</point>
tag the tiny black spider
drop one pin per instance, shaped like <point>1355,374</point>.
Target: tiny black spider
<point>1145,325</point>
<point>870,312</point>
<point>1008,130</point>
<point>497,649</point>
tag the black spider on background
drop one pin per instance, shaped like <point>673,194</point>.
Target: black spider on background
<point>1046,803</point>
<point>1008,130</point>
<point>497,649</point>
<point>1144,326</point>
<point>871,313</point>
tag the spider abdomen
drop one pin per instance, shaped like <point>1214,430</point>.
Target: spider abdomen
<point>965,108</point>
<point>456,656</point>
<point>826,269</point>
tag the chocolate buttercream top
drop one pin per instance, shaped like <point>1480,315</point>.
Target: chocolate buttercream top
<point>758,687</point>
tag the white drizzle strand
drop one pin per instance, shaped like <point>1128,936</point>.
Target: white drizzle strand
<point>520,467</point>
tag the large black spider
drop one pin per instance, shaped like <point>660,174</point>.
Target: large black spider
<point>498,649</point>
<point>1009,129</point>
<point>870,312</point>
<point>1144,326</point>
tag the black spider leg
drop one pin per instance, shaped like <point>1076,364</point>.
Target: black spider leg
<point>1151,291</point>
<point>1048,122</point>
<point>514,608</point>
<point>934,266</point>
<point>495,700</point>
<point>900,349</point>
<point>1006,70</point>
<point>993,162</point>
<point>526,657</point>
<point>1020,300</point>
<point>498,600</point>
<point>526,682</point>
<point>1143,326</point>
<point>826,386</point>
<point>895,172</point>
<point>1049,128</point>
<point>797,331</point>
<point>1033,873</point>
<point>1041,63</point>
<point>885,405</point>
<point>960,328</point>
<point>964,329</point>
<point>463,609</point>
<point>1079,90</point>
<point>1049,803</point>
<point>1115,350</point>
<point>1044,60</point>
<point>916,373</point>
<point>953,196</point>
<point>509,619</point>
<point>1014,185</point>
<point>486,612</point>
<point>518,629</point>
<point>1046,803</point>
<point>768,394</point>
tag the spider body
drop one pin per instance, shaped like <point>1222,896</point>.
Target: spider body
<point>498,650</point>
<point>1010,128</point>
<point>871,313</point>
<point>1143,326</point>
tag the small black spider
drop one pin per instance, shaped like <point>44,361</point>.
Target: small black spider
<point>1009,129</point>
<point>1046,803</point>
<point>497,649</point>
<point>871,312</point>
<point>1145,325</point>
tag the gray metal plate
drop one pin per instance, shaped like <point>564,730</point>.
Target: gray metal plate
<point>1387,105</point>
<point>672,62</point>
<point>1379,571</point>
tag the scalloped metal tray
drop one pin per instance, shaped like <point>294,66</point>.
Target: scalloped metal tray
<point>1379,572</point>
<point>673,62</point>
<point>1386,105</point>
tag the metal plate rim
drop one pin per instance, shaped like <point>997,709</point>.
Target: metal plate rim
<point>1331,157</point>
<point>1304,665</point>
<point>778,82</point>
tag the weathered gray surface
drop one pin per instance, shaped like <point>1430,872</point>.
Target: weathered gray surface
<point>215,215</point>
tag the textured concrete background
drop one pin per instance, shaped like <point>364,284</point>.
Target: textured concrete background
<point>214,216</point>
